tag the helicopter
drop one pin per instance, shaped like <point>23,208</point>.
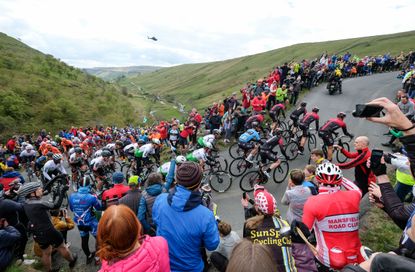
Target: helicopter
<point>152,38</point>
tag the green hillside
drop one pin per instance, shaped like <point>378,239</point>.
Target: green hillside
<point>114,73</point>
<point>39,91</point>
<point>201,84</point>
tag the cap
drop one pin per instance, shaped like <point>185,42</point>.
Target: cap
<point>133,180</point>
<point>117,177</point>
<point>265,202</point>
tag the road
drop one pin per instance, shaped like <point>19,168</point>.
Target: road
<point>355,91</point>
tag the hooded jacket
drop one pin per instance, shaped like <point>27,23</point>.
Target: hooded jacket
<point>187,226</point>
<point>151,256</point>
<point>81,203</point>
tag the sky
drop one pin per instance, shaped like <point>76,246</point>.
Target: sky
<point>92,33</point>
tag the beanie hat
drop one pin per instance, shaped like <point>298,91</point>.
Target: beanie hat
<point>133,180</point>
<point>265,202</point>
<point>189,175</point>
<point>117,177</point>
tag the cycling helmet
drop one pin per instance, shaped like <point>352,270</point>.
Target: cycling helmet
<point>53,143</point>
<point>106,153</point>
<point>303,104</point>
<point>57,157</point>
<point>315,109</point>
<point>29,187</point>
<point>180,159</point>
<point>28,147</point>
<point>118,142</point>
<point>78,150</point>
<point>156,141</point>
<point>328,173</point>
<point>216,131</point>
<point>86,181</point>
<point>341,115</point>
<point>255,124</point>
<point>49,154</point>
<point>209,145</point>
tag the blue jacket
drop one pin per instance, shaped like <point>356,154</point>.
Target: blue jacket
<point>250,134</point>
<point>187,226</point>
<point>14,174</point>
<point>8,239</point>
<point>81,203</point>
<point>153,190</point>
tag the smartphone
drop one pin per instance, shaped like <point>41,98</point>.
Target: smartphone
<point>375,158</point>
<point>363,110</point>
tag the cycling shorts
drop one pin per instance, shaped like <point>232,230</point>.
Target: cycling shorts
<point>327,138</point>
<point>268,155</point>
<point>246,146</point>
<point>273,116</point>
<point>99,172</point>
<point>304,128</point>
<point>182,141</point>
<point>295,120</point>
<point>92,227</point>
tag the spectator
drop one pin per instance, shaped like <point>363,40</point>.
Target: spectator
<point>266,228</point>
<point>228,240</point>
<point>258,104</point>
<point>122,246</point>
<point>62,222</point>
<point>9,236</point>
<point>9,176</point>
<point>310,172</point>
<point>133,196</point>
<point>404,179</point>
<point>317,156</point>
<point>112,196</point>
<point>187,225</point>
<point>149,195</point>
<point>251,257</point>
<point>363,174</point>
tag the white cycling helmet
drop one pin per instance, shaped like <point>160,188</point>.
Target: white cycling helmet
<point>209,145</point>
<point>156,141</point>
<point>328,173</point>
<point>57,157</point>
<point>180,159</point>
<point>28,147</point>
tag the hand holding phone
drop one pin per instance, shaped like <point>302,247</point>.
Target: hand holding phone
<point>363,111</point>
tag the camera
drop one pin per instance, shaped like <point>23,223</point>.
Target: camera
<point>363,110</point>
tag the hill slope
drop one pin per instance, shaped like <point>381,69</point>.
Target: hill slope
<point>112,73</point>
<point>39,91</point>
<point>200,84</point>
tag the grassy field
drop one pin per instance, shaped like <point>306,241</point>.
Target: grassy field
<point>201,84</point>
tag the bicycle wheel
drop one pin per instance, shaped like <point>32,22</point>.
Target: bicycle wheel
<point>221,181</point>
<point>221,164</point>
<point>281,172</point>
<point>291,150</point>
<point>312,142</point>
<point>238,167</point>
<point>286,134</point>
<point>235,151</point>
<point>339,155</point>
<point>283,125</point>
<point>248,181</point>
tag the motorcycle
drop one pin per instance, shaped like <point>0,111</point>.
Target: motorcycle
<point>333,86</point>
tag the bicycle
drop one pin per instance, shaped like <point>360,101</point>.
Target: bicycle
<point>29,171</point>
<point>292,148</point>
<point>251,178</point>
<point>54,187</point>
<point>339,155</point>
<point>219,180</point>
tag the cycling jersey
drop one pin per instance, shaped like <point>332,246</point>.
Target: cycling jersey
<point>110,146</point>
<point>174,134</point>
<point>164,168</point>
<point>271,142</point>
<point>197,155</point>
<point>334,215</point>
<point>210,138</point>
<point>249,135</point>
<point>130,148</point>
<point>75,158</point>
<point>145,150</point>
<point>256,118</point>
<point>296,113</point>
<point>332,125</point>
<point>51,166</point>
<point>310,118</point>
<point>27,155</point>
<point>99,163</point>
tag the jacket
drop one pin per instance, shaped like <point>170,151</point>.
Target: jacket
<point>131,200</point>
<point>151,256</point>
<point>8,238</point>
<point>258,104</point>
<point>187,226</point>
<point>8,177</point>
<point>146,206</point>
<point>81,203</point>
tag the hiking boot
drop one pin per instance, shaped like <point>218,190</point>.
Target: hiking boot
<point>73,262</point>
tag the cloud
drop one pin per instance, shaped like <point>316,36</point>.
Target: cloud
<point>108,33</point>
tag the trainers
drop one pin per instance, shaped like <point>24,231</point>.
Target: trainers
<point>267,174</point>
<point>73,262</point>
<point>300,152</point>
<point>366,252</point>
<point>90,258</point>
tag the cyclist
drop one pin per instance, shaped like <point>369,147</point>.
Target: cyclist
<point>295,115</point>
<point>276,110</point>
<point>129,149</point>
<point>201,156</point>
<point>53,168</point>
<point>334,215</point>
<point>82,204</point>
<point>77,160</point>
<point>28,154</point>
<point>304,125</point>
<point>164,169</point>
<point>99,167</point>
<point>254,120</point>
<point>141,154</point>
<point>173,135</point>
<point>266,153</point>
<point>40,162</point>
<point>210,138</point>
<point>247,139</point>
<point>328,129</point>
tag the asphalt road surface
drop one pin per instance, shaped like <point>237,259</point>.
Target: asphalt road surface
<point>355,91</point>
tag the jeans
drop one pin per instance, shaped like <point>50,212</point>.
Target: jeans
<point>219,261</point>
<point>402,190</point>
<point>388,263</point>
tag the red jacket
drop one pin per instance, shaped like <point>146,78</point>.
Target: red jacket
<point>258,105</point>
<point>118,191</point>
<point>186,132</point>
<point>151,256</point>
<point>246,100</point>
<point>163,132</point>
<point>11,145</point>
